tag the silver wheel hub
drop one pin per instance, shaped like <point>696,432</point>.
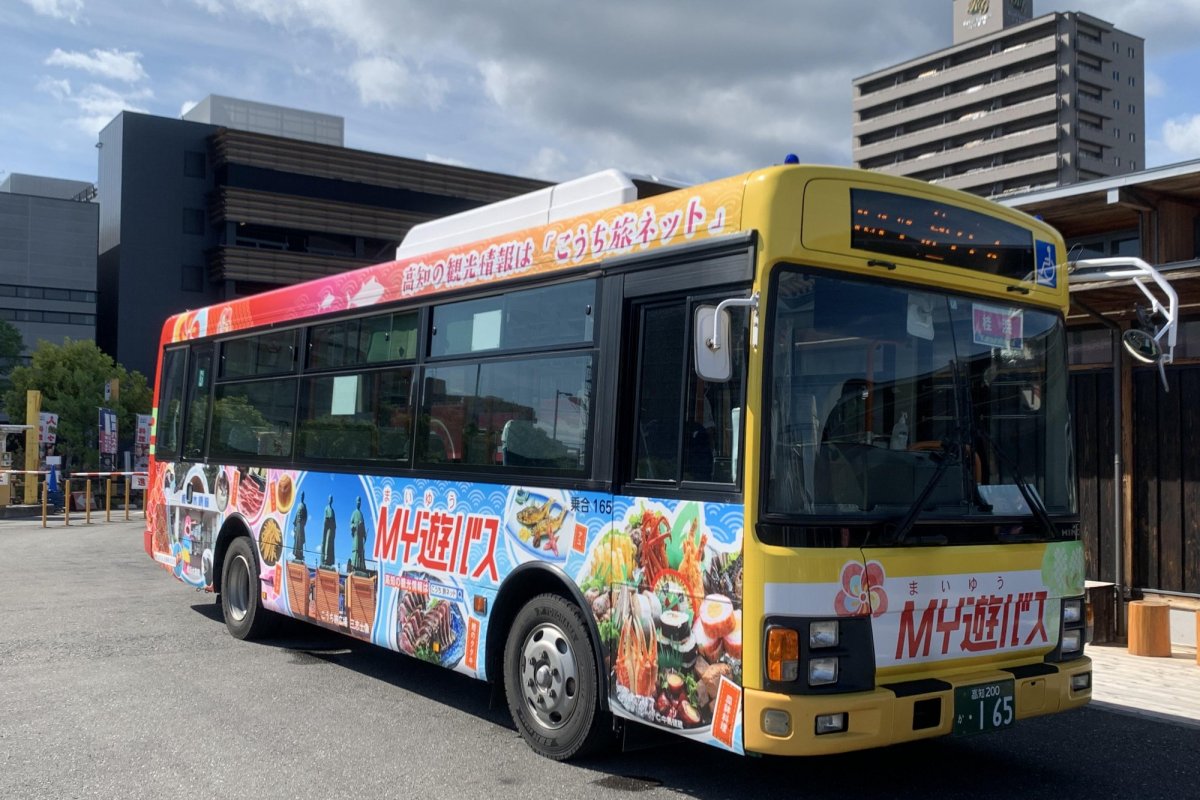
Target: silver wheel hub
<point>549,678</point>
<point>238,588</point>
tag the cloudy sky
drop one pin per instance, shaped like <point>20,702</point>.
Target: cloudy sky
<point>683,89</point>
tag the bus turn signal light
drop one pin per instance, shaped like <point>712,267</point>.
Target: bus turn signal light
<point>783,654</point>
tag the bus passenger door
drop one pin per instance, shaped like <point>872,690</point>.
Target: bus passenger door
<point>678,525</point>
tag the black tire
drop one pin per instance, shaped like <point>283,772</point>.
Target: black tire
<point>241,596</point>
<point>551,683</point>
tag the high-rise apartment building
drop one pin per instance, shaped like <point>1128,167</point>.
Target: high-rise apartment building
<point>1016,103</point>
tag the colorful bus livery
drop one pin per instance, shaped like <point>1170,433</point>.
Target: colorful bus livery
<point>779,464</point>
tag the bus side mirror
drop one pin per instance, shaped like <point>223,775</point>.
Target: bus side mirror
<point>713,358</point>
<point>1142,346</point>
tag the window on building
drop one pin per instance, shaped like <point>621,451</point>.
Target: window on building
<point>1132,81</point>
<point>1116,104</point>
<point>1117,160</point>
<point>1132,53</point>
<point>1116,75</point>
<point>1116,133</point>
<point>1132,108</point>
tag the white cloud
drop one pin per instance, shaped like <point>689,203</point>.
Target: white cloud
<point>121,65</point>
<point>69,10</point>
<point>548,164</point>
<point>60,89</point>
<point>1181,135</point>
<point>1156,87</point>
<point>187,106</point>
<point>387,82</point>
<point>95,105</point>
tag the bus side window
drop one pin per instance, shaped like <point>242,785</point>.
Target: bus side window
<point>170,404</point>
<point>686,429</point>
<point>662,347</point>
<point>199,390</point>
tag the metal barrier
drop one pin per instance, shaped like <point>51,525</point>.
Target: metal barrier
<point>127,484</point>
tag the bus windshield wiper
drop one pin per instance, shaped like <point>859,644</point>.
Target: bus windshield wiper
<point>905,525</point>
<point>1032,499</point>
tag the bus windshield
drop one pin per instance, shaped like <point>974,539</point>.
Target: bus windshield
<point>889,403</point>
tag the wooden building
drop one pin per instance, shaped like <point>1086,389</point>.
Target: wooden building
<point>1137,443</point>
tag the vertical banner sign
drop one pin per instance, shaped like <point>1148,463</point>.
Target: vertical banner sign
<point>141,451</point>
<point>47,428</point>
<point>108,438</point>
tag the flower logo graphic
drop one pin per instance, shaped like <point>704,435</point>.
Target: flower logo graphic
<point>862,590</point>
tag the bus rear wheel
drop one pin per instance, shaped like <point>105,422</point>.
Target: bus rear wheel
<point>550,680</point>
<point>241,598</point>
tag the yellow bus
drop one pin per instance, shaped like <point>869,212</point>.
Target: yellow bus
<point>780,463</point>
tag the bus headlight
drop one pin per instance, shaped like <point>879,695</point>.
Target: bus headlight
<point>1072,643</point>
<point>822,671</point>
<point>823,633</point>
<point>1072,611</point>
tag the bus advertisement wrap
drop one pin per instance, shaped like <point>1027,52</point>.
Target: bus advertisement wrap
<point>402,563</point>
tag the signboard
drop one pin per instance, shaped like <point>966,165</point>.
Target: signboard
<point>143,430</point>
<point>108,437</point>
<point>47,428</point>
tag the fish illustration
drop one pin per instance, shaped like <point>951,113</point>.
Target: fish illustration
<point>368,294</point>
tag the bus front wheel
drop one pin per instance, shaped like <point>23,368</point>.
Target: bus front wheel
<point>241,597</point>
<point>550,679</point>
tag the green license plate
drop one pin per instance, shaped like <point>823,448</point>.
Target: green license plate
<point>984,707</point>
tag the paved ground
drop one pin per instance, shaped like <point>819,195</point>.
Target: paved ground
<point>116,681</point>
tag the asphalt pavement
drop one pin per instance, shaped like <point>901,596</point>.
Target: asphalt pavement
<point>117,681</point>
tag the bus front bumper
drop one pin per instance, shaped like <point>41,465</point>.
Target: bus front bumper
<point>902,712</point>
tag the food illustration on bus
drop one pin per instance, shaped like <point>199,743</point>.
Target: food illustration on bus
<point>667,604</point>
<point>252,487</point>
<point>535,523</point>
<point>429,625</point>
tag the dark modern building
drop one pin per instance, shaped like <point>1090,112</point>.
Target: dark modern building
<point>48,258</point>
<point>1017,103</point>
<point>193,212</point>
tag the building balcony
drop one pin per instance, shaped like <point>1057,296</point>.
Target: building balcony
<point>970,122</point>
<point>280,267</point>
<point>1093,46</point>
<point>1003,173</point>
<point>935,78</point>
<point>359,166</point>
<point>1024,82</point>
<point>973,151</point>
<point>233,204</point>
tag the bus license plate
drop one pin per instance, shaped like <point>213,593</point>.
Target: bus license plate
<point>984,707</point>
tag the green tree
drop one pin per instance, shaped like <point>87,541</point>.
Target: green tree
<point>11,346</point>
<point>71,377</point>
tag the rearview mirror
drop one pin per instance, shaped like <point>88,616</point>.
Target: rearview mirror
<point>713,358</point>
<point>1142,346</point>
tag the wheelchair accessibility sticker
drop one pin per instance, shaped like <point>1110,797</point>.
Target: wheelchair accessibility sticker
<point>1047,264</point>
